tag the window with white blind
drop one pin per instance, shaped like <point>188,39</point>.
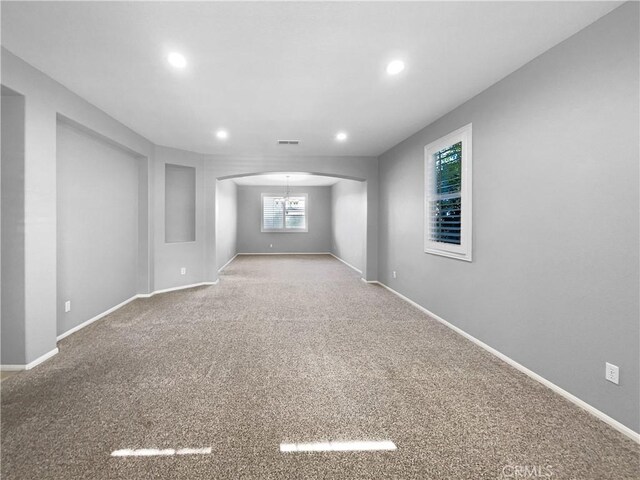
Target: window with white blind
<point>284,214</point>
<point>447,220</point>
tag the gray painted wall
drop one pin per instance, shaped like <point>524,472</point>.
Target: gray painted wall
<point>170,258</point>
<point>348,221</point>
<point>226,221</point>
<point>45,100</point>
<point>179,203</point>
<point>98,219</point>
<point>12,281</point>
<point>252,240</point>
<point>554,280</point>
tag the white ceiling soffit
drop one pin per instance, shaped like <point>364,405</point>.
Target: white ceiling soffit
<point>265,71</point>
<point>280,179</point>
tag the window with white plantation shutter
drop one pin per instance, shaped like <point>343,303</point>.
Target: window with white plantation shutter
<point>448,195</point>
<point>284,214</point>
<point>272,213</point>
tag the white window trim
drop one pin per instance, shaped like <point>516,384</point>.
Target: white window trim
<point>285,230</point>
<point>464,250</point>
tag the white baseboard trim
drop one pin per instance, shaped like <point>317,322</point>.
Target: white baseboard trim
<point>371,281</point>
<point>41,359</point>
<point>287,253</point>
<point>346,263</point>
<point>225,265</point>
<point>120,305</point>
<point>12,368</point>
<point>635,436</point>
<point>30,365</point>
<point>97,317</point>
<point>173,289</point>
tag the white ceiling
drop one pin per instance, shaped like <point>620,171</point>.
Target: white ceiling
<point>284,70</point>
<point>280,179</point>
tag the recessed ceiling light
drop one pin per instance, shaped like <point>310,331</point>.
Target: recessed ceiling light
<point>222,134</point>
<point>341,136</point>
<point>395,67</point>
<point>177,60</point>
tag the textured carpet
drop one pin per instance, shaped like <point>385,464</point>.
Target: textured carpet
<point>291,349</point>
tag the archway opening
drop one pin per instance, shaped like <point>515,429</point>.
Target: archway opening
<point>291,213</point>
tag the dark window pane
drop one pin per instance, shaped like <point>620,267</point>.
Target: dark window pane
<point>448,169</point>
<point>445,220</point>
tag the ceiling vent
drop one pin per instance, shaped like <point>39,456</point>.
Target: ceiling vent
<point>288,142</point>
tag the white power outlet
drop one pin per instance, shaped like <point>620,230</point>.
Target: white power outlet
<point>394,274</point>
<point>612,373</point>
<point>67,306</point>
<point>271,245</point>
<point>183,271</point>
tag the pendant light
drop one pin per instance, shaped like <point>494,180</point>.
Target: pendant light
<point>286,192</point>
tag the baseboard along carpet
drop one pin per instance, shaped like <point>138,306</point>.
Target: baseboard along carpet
<point>293,368</point>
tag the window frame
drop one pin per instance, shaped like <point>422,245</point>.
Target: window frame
<point>285,229</point>
<point>464,250</point>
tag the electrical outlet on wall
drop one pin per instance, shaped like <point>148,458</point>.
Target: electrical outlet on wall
<point>67,306</point>
<point>394,274</point>
<point>271,245</point>
<point>612,373</point>
<point>183,271</point>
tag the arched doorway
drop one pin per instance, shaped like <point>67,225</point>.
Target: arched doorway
<point>331,214</point>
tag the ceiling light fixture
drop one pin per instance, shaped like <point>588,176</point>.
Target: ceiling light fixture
<point>177,60</point>
<point>395,67</point>
<point>341,136</point>
<point>222,134</point>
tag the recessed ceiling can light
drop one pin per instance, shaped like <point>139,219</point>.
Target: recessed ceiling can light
<point>177,60</point>
<point>341,136</point>
<point>222,134</point>
<point>395,67</point>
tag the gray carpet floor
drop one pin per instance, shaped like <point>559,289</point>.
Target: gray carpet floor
<point>290,349</point>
